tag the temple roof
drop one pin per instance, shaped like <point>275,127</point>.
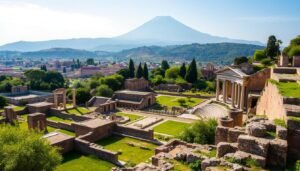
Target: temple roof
<point>230,71</point>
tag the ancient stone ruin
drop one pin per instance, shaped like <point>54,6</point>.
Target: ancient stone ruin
<point>37,121</point>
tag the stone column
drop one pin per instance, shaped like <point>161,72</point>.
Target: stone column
<point>55,99</point>
<point>217,90</point>
<point>242,97</point>
<point>64,99</point>
<point>224,91</point>
<point>239,95</point>
<point>235,94</point>
<point>232,94</point>
<point>74,97</point>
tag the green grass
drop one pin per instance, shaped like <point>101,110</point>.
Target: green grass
<point>131,154</point>
<point>58,119</point>
<point>288,89</point>
<point>280,122</point>
<point>179,166</point>
<point>271,134</point>
<point>77,162</point>
<point>172,128</point>
<point>132,117</point>
<point>78,111</point>
<point>202,93</point>
<point>18,108</point>
<point>297,119</point>
<point>170,101</point>
<point>212,153</point>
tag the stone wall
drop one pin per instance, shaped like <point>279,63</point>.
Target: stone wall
<point>93,134</point>
<point>60,125</point>
<point>65,146</point>
<point>271,103</point>
<point>258,80</point>
<point>88,148</point>
<point>135,132</point>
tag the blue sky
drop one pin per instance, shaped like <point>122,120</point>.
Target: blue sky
<point>57,19</point>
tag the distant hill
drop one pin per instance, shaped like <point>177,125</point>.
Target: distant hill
<point>215,52</point>
<point>160,31</point>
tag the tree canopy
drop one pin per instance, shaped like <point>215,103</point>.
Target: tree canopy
<point>139,71</point>
<point>131,68</point>
<point>192,72</point>
<point>259,55</point>
<point>3,102</point>
<point>165,65</point>
<point>26,150</point>
<point>240,60</point>
<point>182,70</point>
<point>146,72</point>
<point>104,90</point>
<point>273,47</point>
<point>90,61</point>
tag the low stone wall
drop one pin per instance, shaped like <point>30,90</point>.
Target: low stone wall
<point>60,125</point>
<point>61,114</point>
<point>135,132</point>
<point>293,144</point>
<point>88,148</point>
<point>186,95</point>
<point>22,112</point>
<point>65,146</point>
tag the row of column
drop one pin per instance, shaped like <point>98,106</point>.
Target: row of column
<point>237,93</point>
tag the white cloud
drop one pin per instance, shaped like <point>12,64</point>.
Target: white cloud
<point>33,22</point>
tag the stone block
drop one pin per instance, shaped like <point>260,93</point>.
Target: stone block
<point>234,133</point>
<point>224,147</point>
<point>221,134</point>
<point>210,162</point>
<point>281,132</point>
<point>256,129</point>
<point>277,153</point>
<point>253,145</point>
<point>270,126</point>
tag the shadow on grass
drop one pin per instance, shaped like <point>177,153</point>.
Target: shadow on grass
<point>70,156</point>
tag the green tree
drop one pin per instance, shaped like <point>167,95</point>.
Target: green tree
<point>158,79</point>
<point>146,72</point>
<point>82,95</point>
<point>201,132</point>
<point>259,55</point>
<point>90,61</point>
<point>172,73</point>
<point>124,72</point>
<point>192,72</point>
<point>165,65</point>
<point>25,150</point>
<point>131,68</point>
<point>295,51</point>
<point>54,79</point>
<point>182,71</point>
<point>114,82</point>
<point>157,71</point>
<point>273,47</point>
<point>139,71</point>
<point>44,68</point>
<point>104,90</point>
<point>64,70</point>
<point>3,102</point>
<point>240,60</point>
<point>93,84</point>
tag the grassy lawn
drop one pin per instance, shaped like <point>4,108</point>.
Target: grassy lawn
<point>57,119</point>
<point>18,108</point>
<point>170,101</point>
<point>289,89</point>
<point>202,93</point>
<point>172,128</point>
<point>78,111</point>
<point>131,154</point>
<point>77,162</point>
<point>132,117</point>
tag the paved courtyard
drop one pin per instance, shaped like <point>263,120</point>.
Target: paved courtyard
<point>211,111</point>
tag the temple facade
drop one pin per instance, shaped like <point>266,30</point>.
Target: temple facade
<point>240,87</point>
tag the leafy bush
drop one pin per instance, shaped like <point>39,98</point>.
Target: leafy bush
<point>259,55</point>
<point>2,102</point>
<point>266,62</point>
<point>295,51</point>
<point>201,132</point>
<point>196,165</point>
<point>240,60</point>
<point>105,91</point>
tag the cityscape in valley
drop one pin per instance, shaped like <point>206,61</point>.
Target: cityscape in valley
<point>139,87</point>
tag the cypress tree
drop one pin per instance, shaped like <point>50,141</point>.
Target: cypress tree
<point>165,65</point>
<point>192,72</point>
<point>139,71</point>
<point>182,70</point>
<point>131,69</point>
<point>146,72</point>
<point>273,47</point>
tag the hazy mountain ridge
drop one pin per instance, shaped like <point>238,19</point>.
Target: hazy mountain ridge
<point>216,52</point>
<point>161,31</point>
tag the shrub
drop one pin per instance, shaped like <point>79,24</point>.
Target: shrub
<point>259,55</point>
<point>266,62</point>
<point>201,132</point>
<point>105,91</point>
<point>2,102</point>
<point>280,122</point>
<point>295,51</point>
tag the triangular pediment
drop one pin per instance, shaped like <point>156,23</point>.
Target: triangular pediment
<point>231,72</point>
